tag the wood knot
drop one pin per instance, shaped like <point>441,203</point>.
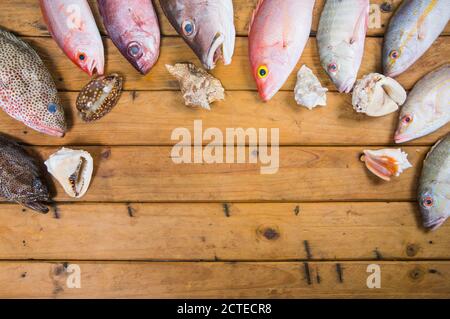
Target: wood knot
<point>416,274</point>
<point>106,153</point>
<point>269,233</point>
<point>412,250</point>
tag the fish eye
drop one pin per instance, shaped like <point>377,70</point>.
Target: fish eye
<point>427,201</point>
<point>394,54</point>
<point>81,56</point>
<point>188,27</point>
<point>52,108</point>
<point>263,71</point>
<point>134,50</point>
<point>332,67</point>
<point>407,119</point>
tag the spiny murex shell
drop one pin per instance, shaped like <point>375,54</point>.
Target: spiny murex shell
<point>99,97</point>
<point>386,163</point>
<point>377,95</point>
<point>308,90</point>
<point>199,88</point>
<point>72,169</point>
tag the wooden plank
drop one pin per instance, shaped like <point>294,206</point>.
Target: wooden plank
<point>147,174</point>
<point>224,280</point>
<point>236,76</point>
<point>149,118</point>
<point>30,22</point>
<point>226,232</point>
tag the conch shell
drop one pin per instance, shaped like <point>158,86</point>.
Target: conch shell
<point>308,90</point>
<point>199,88</point>
<point>386,163</point>
<point>99,97</point>
<point>72,169</point>
<point>377,95</point>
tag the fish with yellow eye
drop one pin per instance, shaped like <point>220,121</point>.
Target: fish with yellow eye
<point>412,30</point>
<point>278,34</point>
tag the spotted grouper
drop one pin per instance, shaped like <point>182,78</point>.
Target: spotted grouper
<point>20,178</point>
<point>27,90</point>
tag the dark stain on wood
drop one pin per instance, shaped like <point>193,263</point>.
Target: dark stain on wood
<point>297,210</point>
<point>377,253</point>
<point>134,95</point>
<point>226,209</point>
<point>271,234</point>
<point>412,250</point>
<point>56,212</point>
<point>317,276</point>
<point>106,153</point>
<point>130,210</point>
<point>416,273</point>
<point>340,273</point>
<point>24,243</point>
<point>307,249</point>
<point>434,271</point>
<point>307,273</point>
<point>24,274</point>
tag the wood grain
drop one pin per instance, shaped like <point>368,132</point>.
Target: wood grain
<point>222,231</point>
<point>149,118</point>
<point>31,23</point>
<point>236,76</point>
<point>225,280</point>
<point>148,174</point>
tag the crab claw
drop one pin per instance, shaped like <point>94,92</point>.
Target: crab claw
<point>386,163</point>
<point>377,95</point>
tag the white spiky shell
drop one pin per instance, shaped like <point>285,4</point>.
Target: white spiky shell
<point>308,90</point>
<point>65,163</point>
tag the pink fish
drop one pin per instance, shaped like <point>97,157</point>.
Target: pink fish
<point>278,34</point>
<point>72,26</point>
<point>133,27</point>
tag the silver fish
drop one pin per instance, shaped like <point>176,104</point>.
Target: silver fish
<point>412,30</point>
<point>434,185</point>
<point>427,107</point>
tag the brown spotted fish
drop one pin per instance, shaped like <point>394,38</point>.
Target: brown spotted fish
<point>20,179</point>
<point>27,90</point>
<point>99,97</point>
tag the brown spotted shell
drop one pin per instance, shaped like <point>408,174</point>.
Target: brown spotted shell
<point>99,96</point>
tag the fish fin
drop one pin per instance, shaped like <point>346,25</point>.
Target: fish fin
<point>255,11</point>
<point>362,22</point>
<point>10,36</point>
<point>37,206</point>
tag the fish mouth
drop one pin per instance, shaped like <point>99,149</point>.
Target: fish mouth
<point>434,224</point>
<point>52,131</point>
<point>95,67</point>
<point>347,85</point>
<point>402,138</point>
<point>215,52</point>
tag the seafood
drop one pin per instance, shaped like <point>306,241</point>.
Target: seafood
<point>133,27</point>
<point>427,107</point>
<point>412,30</point>
<point>20,178</point>
<point>72,169</point>
<point>278,34</point>
<point>72,26</point>
<point>377,95</point>
<point>434,185</point>
<point>198,87</point>
<point>99,97</point>
<point>207,26</point>
<point>340,38</point>
<point>308,90</point>
<point>386,163</point>
<point>27,90</point>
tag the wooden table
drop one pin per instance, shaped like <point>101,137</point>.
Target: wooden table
<point>152,228</point>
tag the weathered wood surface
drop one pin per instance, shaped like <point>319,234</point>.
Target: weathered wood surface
<point>232,231</point>
<point>149,118</point>
<point>225,280</point>
<point>31,23</point>
<point>236,76</point>
<point>144,174</point>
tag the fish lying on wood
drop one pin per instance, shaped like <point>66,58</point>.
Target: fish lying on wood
<point>340,39</point>
<point>207,26</point>
<point>434,185</point>
<point>72,26</point>
<point>427,107</point>
<point>278,34</point>
<point>412,30</point>
<point>27,90</point>
<point>20,178</point>
<point>133,27</point>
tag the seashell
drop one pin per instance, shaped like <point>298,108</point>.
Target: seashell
<point>308,90</point>
<point>386,163</point>
<point>377,95</point>
<point>199,88</point>
<point>72,169</point>
<point>99,96</point>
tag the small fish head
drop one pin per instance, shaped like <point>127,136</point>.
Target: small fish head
<point>339,65</point>
<point>434,206</point>
<point>397,57</point>
<point>413,124</point>
<point>48,118</point>
<point>89,57</point>
<point>142,50</point>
